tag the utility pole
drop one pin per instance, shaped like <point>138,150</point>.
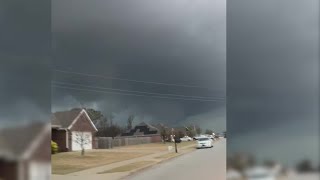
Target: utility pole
<point>172,134</point>
<point>175,145</point>
<point>174,139</point>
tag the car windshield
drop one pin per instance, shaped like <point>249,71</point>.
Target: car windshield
<point>203,139</point>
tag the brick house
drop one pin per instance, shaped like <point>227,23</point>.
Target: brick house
<point>69,128</point>
<point>25,152</point>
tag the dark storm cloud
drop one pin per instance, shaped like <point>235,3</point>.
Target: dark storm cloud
<point>25,90</point>
<point>144,38</point>
<point>178,42</point>
<point>273,75</point>
<point>273,60</point>
<point>25,27</point>
<point>25,45</point>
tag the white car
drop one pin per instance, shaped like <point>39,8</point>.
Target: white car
<point>186,138</point>
<point>259,173</point>
<point>210,136</point>
<point>200,136</point>
<point>204,142</point>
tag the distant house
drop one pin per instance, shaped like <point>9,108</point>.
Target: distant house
<point>25,152</point>
<point>142,129</point>
<point>160,126</point>
<point>68,125</point>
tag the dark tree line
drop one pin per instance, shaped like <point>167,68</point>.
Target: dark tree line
<point>107,128</point>
<point>105,125</point>
<point>305,166</point>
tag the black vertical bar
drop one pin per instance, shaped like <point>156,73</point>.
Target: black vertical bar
<point>175,144</point>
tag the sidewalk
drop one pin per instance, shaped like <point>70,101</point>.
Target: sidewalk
<point>93,173</point>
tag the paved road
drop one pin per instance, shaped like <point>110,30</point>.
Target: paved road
<point>202,164</point>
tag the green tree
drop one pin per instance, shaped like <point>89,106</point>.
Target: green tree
<point>111,130</point>
<point>94,114</point>
<point>106,126</point>
<point>114,130</point>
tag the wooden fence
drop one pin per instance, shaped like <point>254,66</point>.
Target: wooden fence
<point>109,142</point>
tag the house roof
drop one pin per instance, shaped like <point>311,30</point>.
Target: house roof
<point>152,128</point>
<point>64,119</point>
<point>141,129</point>
<point>15,141</point>
<point>159,126</point>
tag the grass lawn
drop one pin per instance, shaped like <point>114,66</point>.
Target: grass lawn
<point>69,162</point>
<point>167,156</point>
<point>128,167</point>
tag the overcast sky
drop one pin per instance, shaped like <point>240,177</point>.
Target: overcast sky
<point>273,78</point>
<point>25,46</point>
<point>272,72</point>
<point>174,42</point>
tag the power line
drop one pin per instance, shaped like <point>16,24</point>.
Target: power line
<point>129,80</point>
<point>143,92</point>
<point>130,94</point>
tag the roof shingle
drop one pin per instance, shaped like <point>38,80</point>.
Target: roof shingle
<point>64,119</point>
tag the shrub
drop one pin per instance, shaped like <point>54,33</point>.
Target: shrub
<point>54,147</point>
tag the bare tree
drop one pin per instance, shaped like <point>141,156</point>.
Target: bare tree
<point>208,131</point>
<point>164,133</point>
<point>130,122</point>
<point>179,133</point>
<point>82,139</point>
<point>198,130</point>
<point>190,131</point>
